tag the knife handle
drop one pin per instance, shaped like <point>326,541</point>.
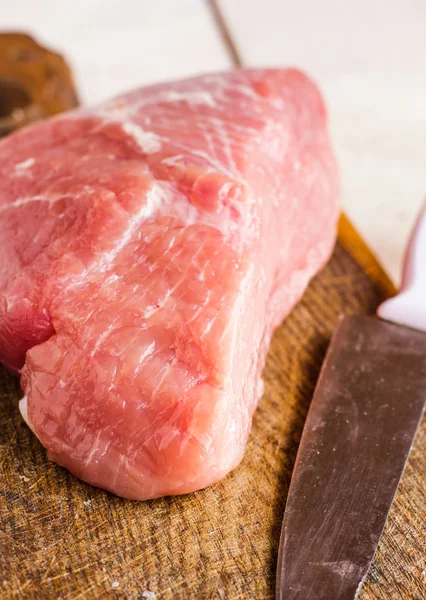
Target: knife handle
<point>408,307</point>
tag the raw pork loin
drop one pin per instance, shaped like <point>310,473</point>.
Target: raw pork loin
<point>150,246</point>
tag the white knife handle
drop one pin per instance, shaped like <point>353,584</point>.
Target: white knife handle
<point>409,306</point>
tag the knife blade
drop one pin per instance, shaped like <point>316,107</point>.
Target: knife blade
<point>367,405</point>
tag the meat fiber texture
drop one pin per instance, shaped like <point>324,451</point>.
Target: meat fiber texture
<point>149,247</point>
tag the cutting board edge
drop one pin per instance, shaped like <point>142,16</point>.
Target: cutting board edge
<point>353,242</point>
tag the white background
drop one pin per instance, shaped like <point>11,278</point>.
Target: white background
<point>368,56</point>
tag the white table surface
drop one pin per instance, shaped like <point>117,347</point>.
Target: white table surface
<point>368,57</point>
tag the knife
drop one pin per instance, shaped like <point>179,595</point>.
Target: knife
<point>367,405</point>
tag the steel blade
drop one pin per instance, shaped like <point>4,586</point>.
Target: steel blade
<point>358,434</point>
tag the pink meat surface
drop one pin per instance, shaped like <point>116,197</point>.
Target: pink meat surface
<point>150,246</point>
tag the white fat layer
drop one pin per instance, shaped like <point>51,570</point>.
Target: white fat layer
<point>173,161</point>
<point>147,141</point>
<point>48,199</point>
<point>23,408</point>
<point>154,200</point>
<point>197,97</point>
<point>29,199</point>
<point>190,97</point>
<point>23,166</point>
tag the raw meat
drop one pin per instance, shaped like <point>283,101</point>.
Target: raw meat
<point>150,246</point>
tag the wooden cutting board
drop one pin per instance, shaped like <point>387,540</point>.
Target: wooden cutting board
<point>62,539</point>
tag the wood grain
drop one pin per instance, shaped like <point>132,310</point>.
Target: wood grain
<point>62,539</point>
